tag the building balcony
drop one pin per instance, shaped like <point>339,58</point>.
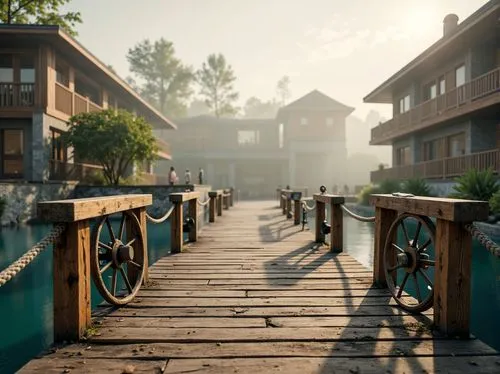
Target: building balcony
<point>445,168</point>
<point>164,150</point>
<point>71,103</point>
<point>476,94</point>
<point>17,95</point>
<point>66,171</point>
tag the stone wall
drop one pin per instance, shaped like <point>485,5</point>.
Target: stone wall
<point>21,199</point>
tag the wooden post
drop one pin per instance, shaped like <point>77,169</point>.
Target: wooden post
<point>383,221</point>
<point>71,275</point>
<point>283,203</point>
<point>212,205</point>
<point>225,199</point>
<point>132,271</point>
<point>219,204</point>
<point>280,198</point>
<point>193,213</point>
<point>176,235</point>
<point>297,212</point>
<point>231,196</point>
<point>288,207</point>
<point>320,217</point>
<point>452,278</point>
<point>337,223</point>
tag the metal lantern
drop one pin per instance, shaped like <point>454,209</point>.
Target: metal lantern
<point>326,228</point>
<point>296,196</point>
<point>188,224</point>
<point>304,218</point>
<point>322,189</point>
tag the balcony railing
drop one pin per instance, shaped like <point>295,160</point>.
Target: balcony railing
<point>72,103</point>
<point>445,168</point>
<point>164,150</point>
<point>65,171</point>
<point>17,95</point>
<point>421,115</point>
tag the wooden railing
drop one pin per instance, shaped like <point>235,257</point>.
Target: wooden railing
<point>82,252</point>
<point>415,119</point>
<point>17,95</point>
<point>65,171</point>
<point>449,167</point>
<point>72,103</point>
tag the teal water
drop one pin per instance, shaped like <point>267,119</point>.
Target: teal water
<point>26,301</point>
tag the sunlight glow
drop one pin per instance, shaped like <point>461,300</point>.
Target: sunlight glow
<point>421,19</point>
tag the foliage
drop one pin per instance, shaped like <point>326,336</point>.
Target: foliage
<point>389,186</point>
<point>40,12</point>
<point>255,108</point>
<point>495,203</point>
<point>476,185</point>
<point>283,89</point>
<point>3,204</point>
<point>115,140</point>
<point>364,195</point>
<point>417,187</point>
<point>165,81</point>
<point>216,79</point>
<point>198,108</point>
<point>95,179</point>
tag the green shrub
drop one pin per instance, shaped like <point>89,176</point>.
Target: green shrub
<point>95,179</point>
<point>417,187</point>
<point>495,203</point>
<point>3,204</point>
<point>389,186</point>
<point>364,195</point>
<point>476,185</point>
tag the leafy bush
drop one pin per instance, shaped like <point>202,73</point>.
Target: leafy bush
<point>417,187</point>
<point>385,187</point>
<point>389,186</point>
<point>3,204</point>
<point>495,203</point>
<point>476,185</point>
<point>95,179</point>
<point>364,195</point>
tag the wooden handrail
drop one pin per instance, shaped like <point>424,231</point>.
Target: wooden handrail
<point>336,220</point>
<point>177,223</point>
<point>452,271</point>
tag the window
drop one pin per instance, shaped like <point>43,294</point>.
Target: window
<point>59,151</point>
<point>281,135</point>
<point>433,91</point>
<point>404,104</point>
<point>432,150</point>
<point>460,76</point>
<point>27,69</point>
<point>88,90</point>
<point>12,153</point>
<point>248,137</point>
<point>62,73</point>
<point>6,69</point>
<point>329,122</point>
<point>303,121</point>
<point>403,156</point>
<point>456,145</point>
<point>442,85</point>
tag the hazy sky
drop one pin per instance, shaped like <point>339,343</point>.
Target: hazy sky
<point>343,48</point>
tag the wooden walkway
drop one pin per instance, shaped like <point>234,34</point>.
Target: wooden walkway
<point>254,295</point>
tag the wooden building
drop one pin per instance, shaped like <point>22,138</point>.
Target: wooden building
<point>446,103</point>
<point>46,76</point>
<point>303,146</point>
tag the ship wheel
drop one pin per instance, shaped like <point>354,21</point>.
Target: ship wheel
<point>122,254</point>
<point>408,262</point>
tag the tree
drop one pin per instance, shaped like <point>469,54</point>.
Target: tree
<point>115,140</point>
<point>198,108</point>
<point>40,12</point>
<point>164,80</point>
<point>283,89</point>
<point>255,108</point>
<point>216,79</point>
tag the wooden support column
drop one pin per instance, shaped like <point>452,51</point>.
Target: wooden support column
<point>320,217</point>
<point>288,207</point>
<point>231,196</point>
<point>452,278</point>
<point>283,205</point>
<point>297,212</point>
<point>176,235</point>
<point>212,205</point>
<point>133,272</point>
<point>71,275</point>
<point>219,205</point>
<point>383,221</point>
<point>225,199</point>
<point>193,213</point>
<point>337,224</point>
<point>336,220</point>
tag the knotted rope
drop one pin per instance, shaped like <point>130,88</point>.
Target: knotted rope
<point>482,238</point>
<point>160,219</point>
<point>203,203</point>
<point>357,216</point>
<point>307,207</point>
<point>14,269</point>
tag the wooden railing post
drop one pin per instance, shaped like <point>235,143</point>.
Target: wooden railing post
<point>193,213</point>
<point>219,204</point>
<point>231,196</point>
<point>452,248</point>
<point>286,204</point>
<point>225,199</point>
<point>72,254</point>
<point>336,220</point>
<point>177,223</point>
<point>133,272</point>
<point>320,217</point>
<point>176,234</point>
<point>212,205</point>
<point>297,204</point>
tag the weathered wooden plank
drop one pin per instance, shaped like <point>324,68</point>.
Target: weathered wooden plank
<point>329,199</point>
<point>107,365</point>
<point>155,273</point>
<point>175,322</point>
<point>282,281</point>
<point>315,286</point>
<point>193,293</point>
<point>73,210</point>
<point>181,197</point>
<point>347,293</point>
<point>455,210</point>
<point>263,272</point>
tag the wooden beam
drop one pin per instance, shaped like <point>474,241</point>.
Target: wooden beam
<point>383,221</point>
<point>297,212</point>
<point>181,197</point>
<point>320,217</point>
<point>212,207</point>
<point>455,210</point>
<point>193,213</point>
<point>329,199</point>
<point>73,210</point>
<point>219,205</point>
<point>176,235</point>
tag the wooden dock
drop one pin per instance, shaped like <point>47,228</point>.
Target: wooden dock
<point>256,295</point>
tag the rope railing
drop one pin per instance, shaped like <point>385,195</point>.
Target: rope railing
<point>15,268</point>
<point>205,203</point>
<point>307,207</point>
<point>160,219</point>
<point>226,194</point>
<point>482,238</point>
<point>357,216</point>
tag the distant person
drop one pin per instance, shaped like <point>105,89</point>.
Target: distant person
<point>172,176</point>
<point>201,176</point>
<point>187,176</point>
<point>346,189</point>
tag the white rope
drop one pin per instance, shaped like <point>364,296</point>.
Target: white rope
<point>204,203</point>
<point>160,219</point>
<point>14,269</point>
<point>357,216</point>
<point>482,238</point>
<point>307,207</point>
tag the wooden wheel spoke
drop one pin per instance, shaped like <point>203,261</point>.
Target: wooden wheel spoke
<point>398,247</point>
<point>113,283</point>
<point>125,278</point>
<point>131,242</point>
<point>428,262</point>
<point>417,288</point>
<point>105,246</point>
<point>138,266</point>
<point>395,267</point>
<point>402,286</point>
<point>426,277</point>
<point>106,267</point>
<point>417,233</point>
<point>425,245</point>
<point>110,229</point>
<point>122,227</point>
<point>407,238</point>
